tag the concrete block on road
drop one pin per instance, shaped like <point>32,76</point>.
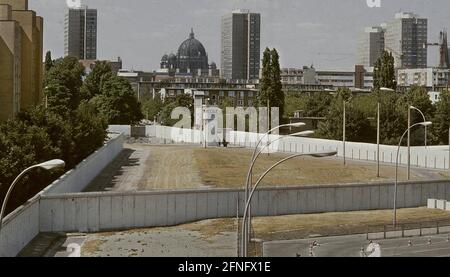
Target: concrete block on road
<point>432,203</point>
<point>440,204</point>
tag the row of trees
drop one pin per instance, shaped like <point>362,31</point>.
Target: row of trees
<point>70,124</point>
<point>361,110</point>
<point>271,90</point>
<point>361,113</point>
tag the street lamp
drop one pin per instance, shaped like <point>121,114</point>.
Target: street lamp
<point>387,89</point>
<point>255,154</point>
<point>293,125</point>
<point>247,205</point>
<point>49,165</point>
<point>409,137</point>
<point>425,124</point>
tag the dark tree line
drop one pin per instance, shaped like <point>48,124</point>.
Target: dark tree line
<point>70,124</point>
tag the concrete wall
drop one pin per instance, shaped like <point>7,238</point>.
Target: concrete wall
<point>19,228</point>
<point>92,212</point>
<point>121,129</point>
<point>77,179</point>
<point>433,157</point>
<point>22,225</point>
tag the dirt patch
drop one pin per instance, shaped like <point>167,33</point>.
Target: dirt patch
<point>329,224</point>
<point>170,167</point>
<point>212,228</point>
<point>225,168</point>
<point>148,167</point>
<point>92,247</point>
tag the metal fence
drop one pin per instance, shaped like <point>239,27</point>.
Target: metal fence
<point>405,230</point>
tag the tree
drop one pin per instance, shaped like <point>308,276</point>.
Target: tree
<point>88,132</point>
<point>393,120</point>
<point>182,100</point>
<point>59,100</point>
<point>117,102</point>
<point>270,83</point>
<point>265,89</point>
<point>358,127</point>
<point>384,72</point>
<point>441,123</point>
<point>93,82</point>
<point>418,97</point>
<point>152,107</point>
<point>48,61</point>
<point>277,98</point>
<point>65,79</point>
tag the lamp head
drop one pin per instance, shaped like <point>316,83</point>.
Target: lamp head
<point>426,124</point>
<point>299,124</point>
<point>324,154</point>
<point>52,165</point>
<point>387,89</point>
<point>303,134</point>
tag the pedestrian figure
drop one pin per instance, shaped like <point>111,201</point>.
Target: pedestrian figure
<point>362,253</point>
<point>429,241</point>
<point>448,239</point>
<point>409,243</point>
<point>315,243</point>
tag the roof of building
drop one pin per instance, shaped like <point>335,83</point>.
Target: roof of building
<point>191,47</point>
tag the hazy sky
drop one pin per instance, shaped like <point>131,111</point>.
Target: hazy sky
<point>323,32</point>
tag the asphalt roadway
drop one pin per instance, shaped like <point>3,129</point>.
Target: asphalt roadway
<point>356,246</point>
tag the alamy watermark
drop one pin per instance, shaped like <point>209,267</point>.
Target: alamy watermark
<point>73,3</point>
<point>215,126</point>
<point>373,3</point>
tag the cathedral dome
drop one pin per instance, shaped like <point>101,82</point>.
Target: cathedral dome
<point>172,58</point>
<point>191,48</point>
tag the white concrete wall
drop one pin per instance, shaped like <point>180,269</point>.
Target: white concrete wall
<point>120,129</point>
<point>22,225</point>
<point>92,212</point>
<point>433,157</point>
<point>19,228</point>
<point>78,178</point>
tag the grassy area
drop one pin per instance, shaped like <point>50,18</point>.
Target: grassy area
<point>227,168</point>
<point>326,224</point>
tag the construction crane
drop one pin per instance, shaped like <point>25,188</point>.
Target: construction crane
<point>444,61</point>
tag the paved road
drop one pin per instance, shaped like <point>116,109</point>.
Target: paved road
<point>351,246</point>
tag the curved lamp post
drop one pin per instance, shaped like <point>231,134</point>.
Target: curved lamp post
<point>409,138</point>
<point>252,192</point>
<point>424,120</point>
<point>49,165</point>
<point>300,124</point>
<point>425,124</point>
<point>255,157</point>
<point>255,154</point>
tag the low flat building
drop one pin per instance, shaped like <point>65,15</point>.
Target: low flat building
<point>360,78</point>
<point>426,77</point>
<point>89,65</point>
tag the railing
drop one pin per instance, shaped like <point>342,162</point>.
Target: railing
<point>405,230</point>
